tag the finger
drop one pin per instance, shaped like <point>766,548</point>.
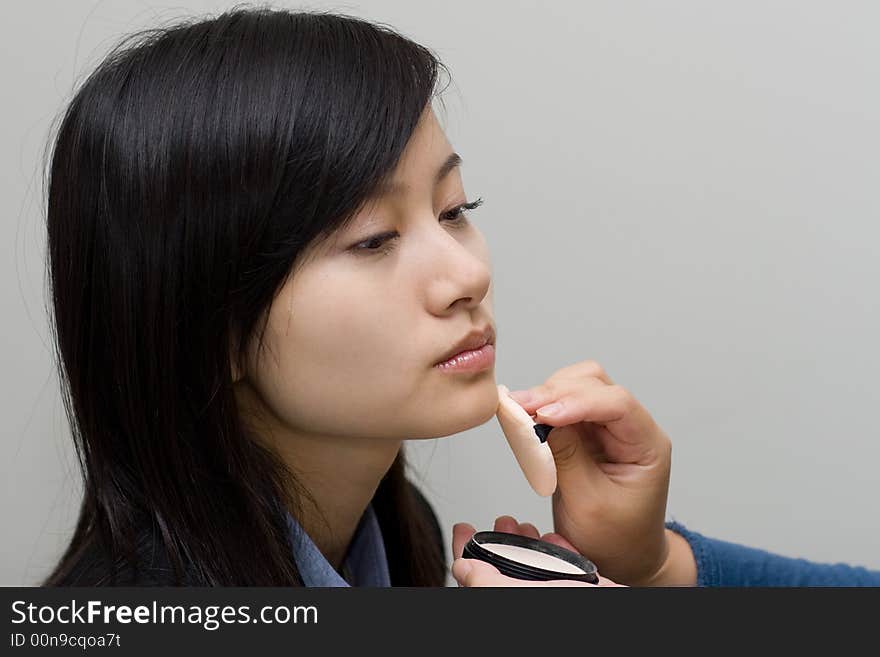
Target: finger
<point>461,534</point>
<point>528,529</point>
<point>583,369</point>
<point>579,401</point>
<point>506,524</point>
<point>611,406</point>
<point>473,572</point>
<point>578,475</point>
<point>537,396</point>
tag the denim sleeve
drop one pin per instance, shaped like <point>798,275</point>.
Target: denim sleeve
<point>720,563</point>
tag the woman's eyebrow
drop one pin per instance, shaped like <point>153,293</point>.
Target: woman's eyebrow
<point>391,188</point>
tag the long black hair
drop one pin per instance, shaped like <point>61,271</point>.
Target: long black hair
<point>189,172</point>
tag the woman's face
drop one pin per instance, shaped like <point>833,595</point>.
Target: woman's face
<point>354,334</point>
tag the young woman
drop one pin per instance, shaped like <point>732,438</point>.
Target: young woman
<point>259,253</point>
<point>260,264</point>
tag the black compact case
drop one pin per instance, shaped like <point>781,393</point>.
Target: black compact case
<point>474,550</point>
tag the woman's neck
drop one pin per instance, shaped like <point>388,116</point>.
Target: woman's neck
<point>341,475</point>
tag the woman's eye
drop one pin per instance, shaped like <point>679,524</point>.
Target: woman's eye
<point>456,214</point>
<point>377,244</point>
<point>384,242</point>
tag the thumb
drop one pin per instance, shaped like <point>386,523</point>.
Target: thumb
<point>575,467</point>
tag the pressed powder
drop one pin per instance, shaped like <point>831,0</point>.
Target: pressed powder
<point>529,558</point>
<point>532,558</point>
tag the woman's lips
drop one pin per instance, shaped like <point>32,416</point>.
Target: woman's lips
<point>470,361</point>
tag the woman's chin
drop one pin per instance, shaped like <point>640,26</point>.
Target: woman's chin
<point>455,413</point>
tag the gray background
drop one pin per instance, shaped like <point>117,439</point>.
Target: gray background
<point>683,191</point>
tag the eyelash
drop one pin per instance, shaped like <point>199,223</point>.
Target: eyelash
<point>455,216</point>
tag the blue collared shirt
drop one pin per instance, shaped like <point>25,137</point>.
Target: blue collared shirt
<point>365,563</point>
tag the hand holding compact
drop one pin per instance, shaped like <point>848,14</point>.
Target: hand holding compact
<point>612,465</point>
<point>476,573</point>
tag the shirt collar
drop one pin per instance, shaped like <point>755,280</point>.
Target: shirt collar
<point>365,563</point>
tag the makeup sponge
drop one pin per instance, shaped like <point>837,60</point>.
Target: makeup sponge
<point>527,440</point>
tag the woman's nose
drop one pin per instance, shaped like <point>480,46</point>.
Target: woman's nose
<point>459,272</point>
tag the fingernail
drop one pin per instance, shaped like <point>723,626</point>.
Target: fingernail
<point>521,396</point>
<point>550,409</point>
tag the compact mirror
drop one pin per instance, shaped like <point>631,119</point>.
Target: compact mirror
<point>529,558</point>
